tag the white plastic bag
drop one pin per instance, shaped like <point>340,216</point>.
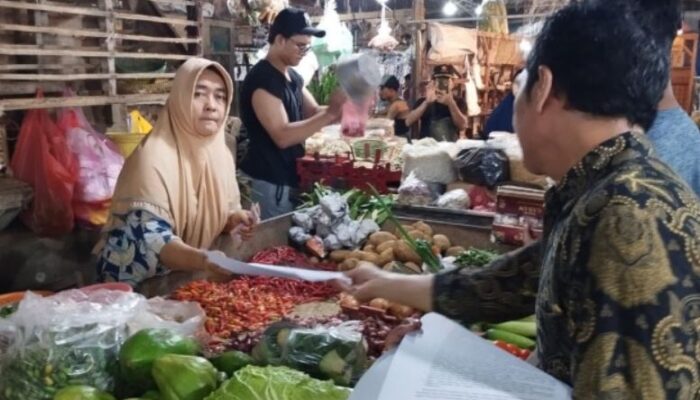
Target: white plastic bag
<point>183,317</point>
<point>456,199</point>
<point>72,337</point>
<point>415,192</point>
<point>338,40</point>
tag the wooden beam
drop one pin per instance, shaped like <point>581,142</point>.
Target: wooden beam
<point>24,51</point>
<point>417,73</point>
<point>183,2</point>
<point>76,10</point>
<point>150,18</point>
<point>83,77</point>
<point>29,88</point>
<point>93,33</point>
<point>81,101</point>
<point>34,67</point>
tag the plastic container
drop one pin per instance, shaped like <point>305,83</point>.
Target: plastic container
<point>127,142</point>
<point>14,196</point>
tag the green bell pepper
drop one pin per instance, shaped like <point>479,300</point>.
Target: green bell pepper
<point>184,377</point>
<point>80,392</point>
<point>231,361</point>
<point>140,350</point>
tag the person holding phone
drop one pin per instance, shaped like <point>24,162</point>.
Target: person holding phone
<point>441,115</point>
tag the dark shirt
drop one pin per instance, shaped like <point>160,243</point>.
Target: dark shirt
<point>618,309</point>
<point>264,160</point>
<point>437,112</point>
<point>501,118</point>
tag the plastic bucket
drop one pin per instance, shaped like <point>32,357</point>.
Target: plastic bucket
<point>127,142</point>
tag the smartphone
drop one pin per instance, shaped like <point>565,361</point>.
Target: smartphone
<point>443,83</point>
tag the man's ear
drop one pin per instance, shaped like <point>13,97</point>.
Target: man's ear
<point>542,89</point>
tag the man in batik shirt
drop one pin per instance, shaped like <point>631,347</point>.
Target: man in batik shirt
<point>617,296</point>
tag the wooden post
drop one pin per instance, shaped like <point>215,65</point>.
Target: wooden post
<point>118,110</point>
<point>194,14</point>
<point>41,18</point>
<point>417,74</point>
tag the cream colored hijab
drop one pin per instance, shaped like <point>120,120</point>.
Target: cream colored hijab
<point>187,179</point>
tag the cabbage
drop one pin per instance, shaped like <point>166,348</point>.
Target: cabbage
<point>277,383</point>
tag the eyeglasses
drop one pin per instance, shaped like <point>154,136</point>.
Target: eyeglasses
<point>303,48</point>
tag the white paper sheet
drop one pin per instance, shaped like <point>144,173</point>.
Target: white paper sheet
<point>447,362</point>
<point>241,268</point>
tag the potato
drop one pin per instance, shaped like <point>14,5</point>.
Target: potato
<point>386,256</point>
<point>442,241</point>
<point>400,311</point>
<point>369,248</point>
<point>392,266</point>
<point>378,238</point>
<point>379,303</point>
<point>367,256</point>
<point>403,252</point>
<point>349,302</point>
<point>386,245</point>
<point>423,227</point>
<point>415,267</point>
<point>407,228</point>
<point>416,234</point>
<point>455,251</point>
<point>340,255</point>
<point>348,264</point>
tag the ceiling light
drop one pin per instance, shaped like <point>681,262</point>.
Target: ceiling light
<point>525,46</point>
<point>680,32</point>
<point>478,10</point>
<point>449,8</point>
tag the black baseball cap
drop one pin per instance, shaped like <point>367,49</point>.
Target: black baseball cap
<point>390,82</point>
<point>293,21</point>
<point>444,70</point>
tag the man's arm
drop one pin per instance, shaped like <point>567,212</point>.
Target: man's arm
<point>458,118</point>
<point>399,109</point>
<point>504,290</point>
<point>417,113</point>
<point>273,117</point>
<point>310,107</point>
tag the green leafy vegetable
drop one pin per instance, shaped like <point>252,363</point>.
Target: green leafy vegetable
<point>277,383</point>
<point>475,258</point>
<point>323,86</point>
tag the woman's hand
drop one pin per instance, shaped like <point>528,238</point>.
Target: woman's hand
<point>214,271</point>
<point>242,222</point>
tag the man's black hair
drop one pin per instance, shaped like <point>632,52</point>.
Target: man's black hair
<point>602,61</point>
<point>662,18</point>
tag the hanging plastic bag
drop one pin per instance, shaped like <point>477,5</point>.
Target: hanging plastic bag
<point>483,166</point>
<point>99,162</point>
<point>71,338</point>
<point>338,40</point>
<point>43,159</point>
<point>355,116</point>
<point>185,318</point>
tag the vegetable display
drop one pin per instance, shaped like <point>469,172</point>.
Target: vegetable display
<point>249,303</point>
<point>138,353</point>
<point>79,392</point>
<point>184,377</point>
<point>277,383</point>
<point>475,258</point>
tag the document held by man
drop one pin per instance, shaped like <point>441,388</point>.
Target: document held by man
<point>445,361</point>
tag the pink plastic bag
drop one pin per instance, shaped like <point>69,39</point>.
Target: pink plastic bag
<point>43,160</point>
<point>355,117</point>
<point>99,164</point>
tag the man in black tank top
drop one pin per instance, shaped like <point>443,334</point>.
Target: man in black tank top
<point>280,114</point>
<point>397,107</point>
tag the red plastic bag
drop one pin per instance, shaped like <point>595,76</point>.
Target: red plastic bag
<point>99,165</point>
<point>43,160</point>
<point>355,117</point>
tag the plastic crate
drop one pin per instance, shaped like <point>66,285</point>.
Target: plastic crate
<point>330,171</point>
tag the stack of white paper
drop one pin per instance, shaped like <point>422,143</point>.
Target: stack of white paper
<point>447,362</point>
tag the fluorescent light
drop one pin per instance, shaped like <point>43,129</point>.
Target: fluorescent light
<point>478,10</point>
<point>525,46</point>
<point>680,32</point>
<point>449,8</point>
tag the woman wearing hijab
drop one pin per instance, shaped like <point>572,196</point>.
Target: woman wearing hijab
<point>177,192</point>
